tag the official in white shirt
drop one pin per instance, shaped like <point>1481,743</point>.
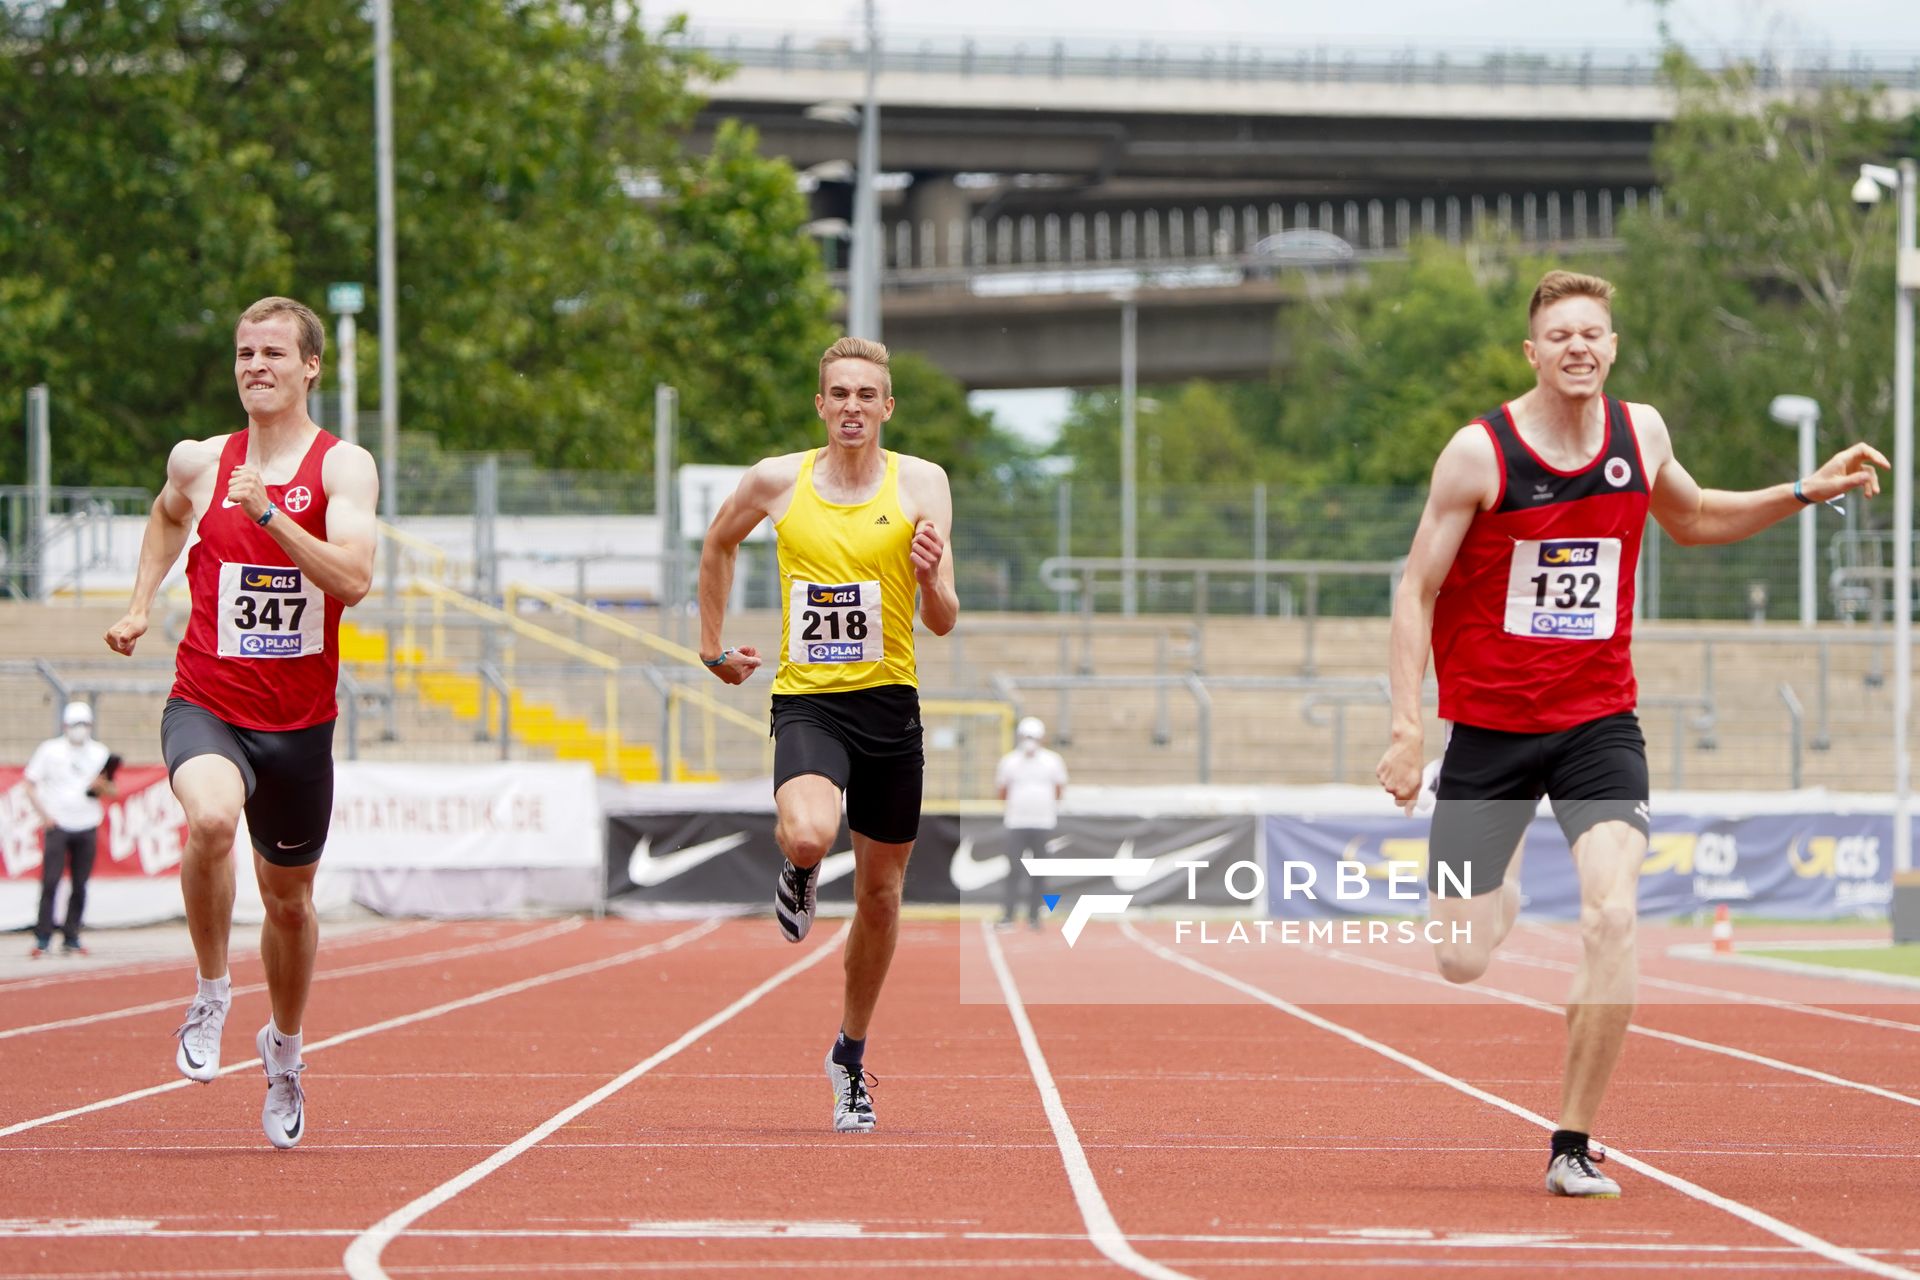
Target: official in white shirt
<point>65,781</point>
<point>1030,780</point>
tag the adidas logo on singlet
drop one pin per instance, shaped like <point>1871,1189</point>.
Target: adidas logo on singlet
<point>883,520</point>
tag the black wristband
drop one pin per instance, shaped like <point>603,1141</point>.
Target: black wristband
<point>1798,493</point>
<point>267,515</point>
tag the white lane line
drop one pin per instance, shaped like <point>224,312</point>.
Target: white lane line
<point>831,1265</point>
<point>362,1257</point>
<point>1722,993</point>
<point>1102,1228</point>
<point>95,971</point>
<point>918,1143</point>
<point>540,934</point>
<point>1417,1239</point>
<point>1654,1033</point>
<point>1704,952</point>
<point>1746,1213</point>
<point>389,1024</point>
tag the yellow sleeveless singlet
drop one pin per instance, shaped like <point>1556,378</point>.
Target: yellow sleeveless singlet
<point>847,590</point>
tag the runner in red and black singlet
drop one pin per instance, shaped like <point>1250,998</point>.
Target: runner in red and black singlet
<point>285,517</point>
<point>262,646</point>
<point>1520,583</point>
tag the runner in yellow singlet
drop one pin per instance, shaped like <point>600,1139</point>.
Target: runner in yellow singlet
<point>862,531</point>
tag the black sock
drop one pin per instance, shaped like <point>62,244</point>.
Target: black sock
<point>1568,1140</point>
<point>849,1052</point>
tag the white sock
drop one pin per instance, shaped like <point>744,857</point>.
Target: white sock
<point>219,989</point>
<point>286,1048</point>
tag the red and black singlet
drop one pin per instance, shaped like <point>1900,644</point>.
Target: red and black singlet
<point>262,648</point>
<point>1533,629</point>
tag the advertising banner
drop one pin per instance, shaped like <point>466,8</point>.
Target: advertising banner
<point>732,857</point>
<point>519,814</point>
<point>143,833</point>
<point>1800,865</point>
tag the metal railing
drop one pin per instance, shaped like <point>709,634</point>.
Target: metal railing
<point>1150,60</point>
<point>47,549</point>
<point>1085,577</point>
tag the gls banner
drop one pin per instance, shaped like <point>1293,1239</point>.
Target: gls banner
<point>732,857</point>
<point>1809,865</point>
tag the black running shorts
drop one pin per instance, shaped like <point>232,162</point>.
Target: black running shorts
<point>867,743</point>
<point>289,777</point>
<point>1491,783</point>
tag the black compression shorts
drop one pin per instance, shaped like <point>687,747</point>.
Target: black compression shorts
<point>289,777</point>
<point>1491,783</point>
<point>867,742</point>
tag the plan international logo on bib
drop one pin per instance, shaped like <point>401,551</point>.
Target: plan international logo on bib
<point>1579,626</point>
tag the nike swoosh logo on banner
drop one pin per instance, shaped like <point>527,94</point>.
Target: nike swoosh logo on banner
<point>646,870</point>
<point>969,873</point>
<point>1168,863</point>
<point>833,867</point>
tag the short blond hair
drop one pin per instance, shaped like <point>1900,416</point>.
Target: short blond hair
<point>312,335</point>
<point>1556,285</point>
<point>857,349</point>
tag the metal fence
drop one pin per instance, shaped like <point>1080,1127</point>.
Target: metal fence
<point>1002,535</point>
<point>50,539</point>
<point>1148,60</point>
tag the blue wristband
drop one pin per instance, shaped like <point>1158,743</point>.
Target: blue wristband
<point>267,515</point>
<point>1800,495</point>
<point>720,661</point>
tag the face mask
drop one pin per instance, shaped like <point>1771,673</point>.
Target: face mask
<point>78,734</point>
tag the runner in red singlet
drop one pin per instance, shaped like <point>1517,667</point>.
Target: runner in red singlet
<point>1520,581</point>
<point>285,517</point>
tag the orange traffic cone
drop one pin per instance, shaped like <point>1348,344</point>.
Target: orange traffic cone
<point>1722,931</point>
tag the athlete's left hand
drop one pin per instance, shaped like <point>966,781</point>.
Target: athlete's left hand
<point>247,491</point>
<point>928,548</point>
<point>1852,468</point>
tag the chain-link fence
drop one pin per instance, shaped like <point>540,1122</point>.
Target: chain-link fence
<point>1003,534</point>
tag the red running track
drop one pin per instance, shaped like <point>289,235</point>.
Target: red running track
<point>612,1098</point>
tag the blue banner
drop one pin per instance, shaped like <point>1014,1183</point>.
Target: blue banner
<point>1800,865</point>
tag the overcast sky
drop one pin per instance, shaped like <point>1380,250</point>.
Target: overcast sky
<point>1837,27</point>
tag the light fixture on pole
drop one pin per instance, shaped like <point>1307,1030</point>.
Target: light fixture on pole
<point>1866,193</point>
<point>1803,414</point>
<point>862,229</point>
<point>346,301</point>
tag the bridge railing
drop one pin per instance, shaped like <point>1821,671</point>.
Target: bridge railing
<point>1240,62</point>
<point>1234,241</point>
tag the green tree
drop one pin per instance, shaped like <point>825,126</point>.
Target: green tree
<point>1760,277</point>
<point>1384,372</point>
<point>560,251</point>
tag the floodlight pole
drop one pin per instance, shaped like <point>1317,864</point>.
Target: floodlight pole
<point>1907,260</point>
<point>863,276</point>
<point>389,286</point>
<point>1129,480</point>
